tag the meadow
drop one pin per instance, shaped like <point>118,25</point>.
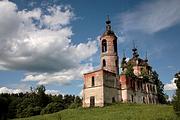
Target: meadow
<point>113,112</point>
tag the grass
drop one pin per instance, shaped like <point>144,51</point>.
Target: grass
<point>113,112</point>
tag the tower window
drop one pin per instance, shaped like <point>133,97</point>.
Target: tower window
<point>92,84</point>
<point>104,45</point>
<point>104,63</point>
<point>115,45</point>
<point>116,62</point>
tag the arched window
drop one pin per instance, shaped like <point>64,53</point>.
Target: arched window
<point>153,88</point>
<point>115,45</point>
<point>113,100</point>
<point>104,63</point>
<point>150,100</point>
<point>132,98</point>
<point>144,100</point>
<point>104,45</point>
<point>92,83</point>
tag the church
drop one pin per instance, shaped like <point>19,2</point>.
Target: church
<point>106,85</point>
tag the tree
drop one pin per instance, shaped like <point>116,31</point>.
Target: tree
<point>42,98</point>
<point>160,88</point>
<point>33,103</point>
<point>3,108</point>
<point>130,71</point>
<point>12,108</point>
<point>68,100</point>
<point>176,102</point>
<point>40,90</point>
<point>145,76</point>
<point>77,102</point>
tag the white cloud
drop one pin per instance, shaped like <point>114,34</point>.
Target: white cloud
<point>15,91</point>
<point>170,66</point>
<point>63,77</point>
<point>10,91</point>
<point>152,17</point>
<point>53,92</point>
<point>170,86</point>
<point>121,37</point>
<point>58,15</point>
<point>42,47</point>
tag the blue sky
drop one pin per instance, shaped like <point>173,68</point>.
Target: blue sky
<point>55,42</point>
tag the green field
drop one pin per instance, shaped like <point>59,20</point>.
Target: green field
<point>113,112</point>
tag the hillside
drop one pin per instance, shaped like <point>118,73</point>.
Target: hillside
<point>113,112</point>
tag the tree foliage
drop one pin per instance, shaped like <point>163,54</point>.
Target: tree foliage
<point>176,102</point>
<point>130,71</point>
<point>77,103</point>
<point>52,107</point>
<point>34,103</point>
<point>3,108</point>
<point>162,97</point>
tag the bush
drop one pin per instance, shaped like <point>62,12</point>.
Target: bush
<point>12,108</point>
<point>176,102</point>
<point>176,105</point>
<point>30,111</point>
<point>52,107</point>
<point>74,105</point>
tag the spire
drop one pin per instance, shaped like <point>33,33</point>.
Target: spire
<point>134,47</point>
<point>135,53</point>
<point>108,22</point>
<point>108,27</point>
<point>124,56</point>
<point>146,59</point>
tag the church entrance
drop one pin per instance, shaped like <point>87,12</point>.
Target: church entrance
<point>92,101</point>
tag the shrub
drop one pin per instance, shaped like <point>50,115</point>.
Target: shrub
<point>52,107</point>
<point>30,111</point>
<point>176,102</point>
<point>74,105</point>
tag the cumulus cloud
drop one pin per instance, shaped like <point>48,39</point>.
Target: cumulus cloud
<point>15,91</point>
<point>10,91</point>
<point>58,16</point>
<point>40,43</point>
<point>170,86</point>
<point>53,92</point>
<point>152,17</point>
<point>63,77</point>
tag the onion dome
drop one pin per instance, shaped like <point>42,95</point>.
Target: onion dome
<point>108,28</point>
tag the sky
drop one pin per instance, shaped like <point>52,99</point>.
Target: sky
<point>53,42</point>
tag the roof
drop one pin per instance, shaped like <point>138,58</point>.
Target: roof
<point>98,71</point>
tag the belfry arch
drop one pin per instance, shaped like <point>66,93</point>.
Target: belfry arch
<point>104,45</point>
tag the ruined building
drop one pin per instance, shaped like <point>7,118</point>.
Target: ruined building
<point>106,85</point>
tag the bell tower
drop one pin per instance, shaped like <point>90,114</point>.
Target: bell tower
<point>109,53</point>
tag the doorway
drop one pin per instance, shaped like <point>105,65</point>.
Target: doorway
<point>92,101</point>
